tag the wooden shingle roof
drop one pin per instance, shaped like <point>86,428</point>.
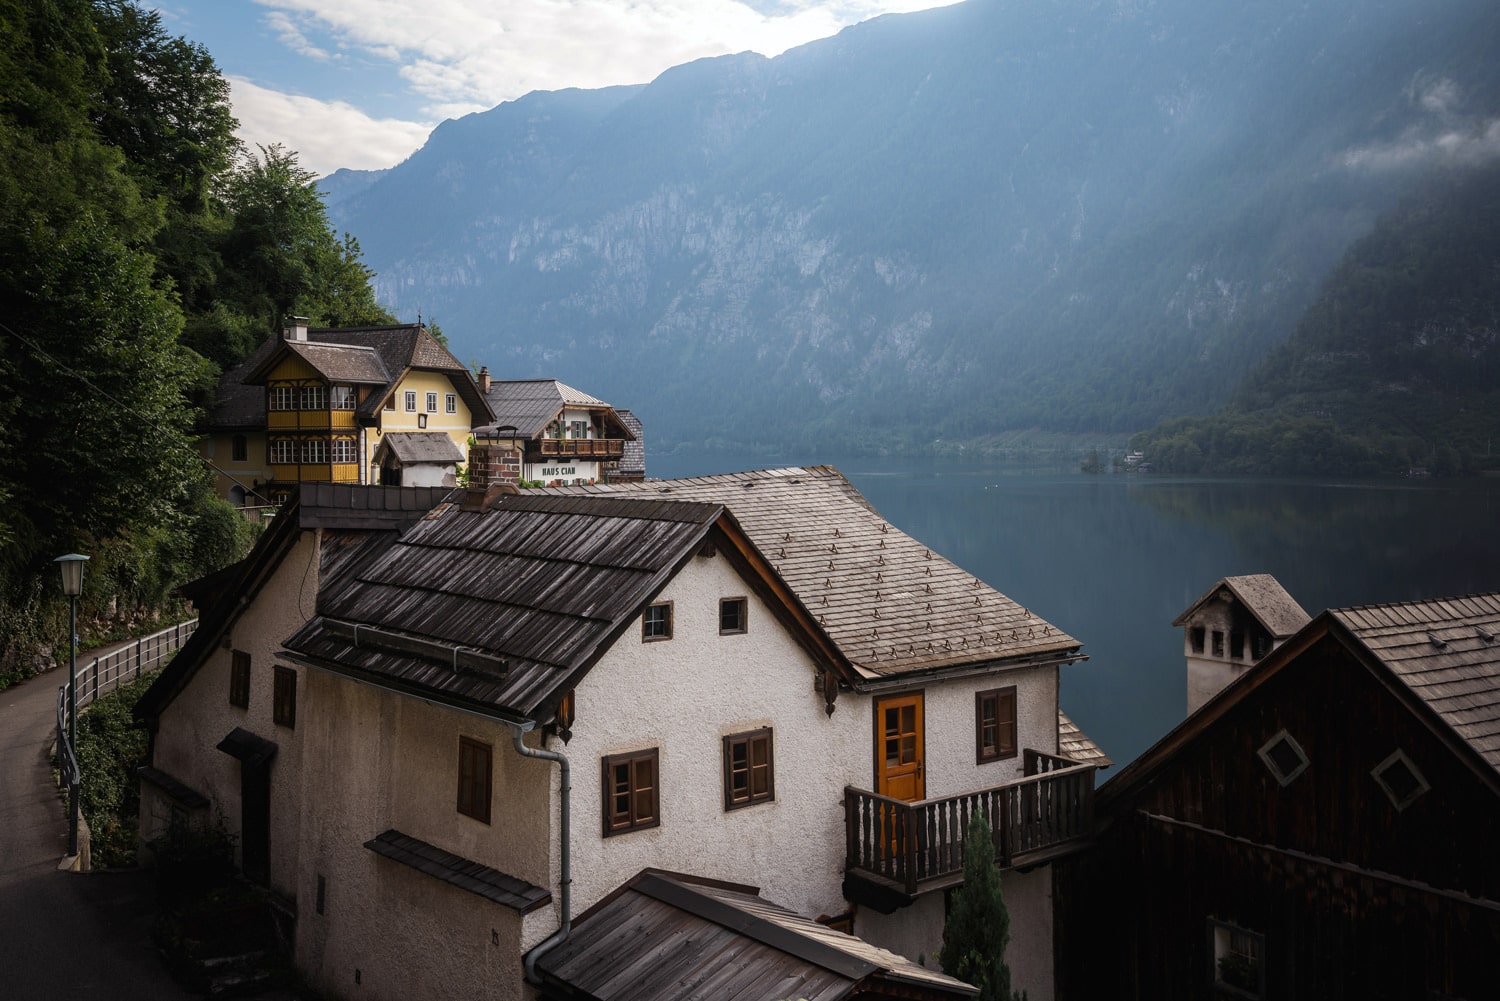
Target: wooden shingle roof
<point>668,937</point>
<point>1447,652</point>
<point>417,447</point>
<point>378,356</point>
<point>1263,597</point>
<point>892,605</point>
<point>505,607</point>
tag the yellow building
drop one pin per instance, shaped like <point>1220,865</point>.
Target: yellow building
<point>314,404</point>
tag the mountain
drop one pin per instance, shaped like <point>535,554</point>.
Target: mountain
<point>1395,365</point>
<point>996,215</point>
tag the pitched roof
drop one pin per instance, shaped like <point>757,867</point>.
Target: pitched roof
<point>379,356</point>
<point>669,937</point>
<point>504,607</point>
<point>416,447</point>
<point>1074,744</point>
<point>1263,596</point>
<point>633,461</point>
<point>1448,653</point>
<point>893,606</point>
<point>1437,652</point>
<point>358,521</point>
<point>529,405</point>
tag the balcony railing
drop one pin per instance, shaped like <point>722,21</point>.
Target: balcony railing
<point>914,848</point>
<point>602,448</point>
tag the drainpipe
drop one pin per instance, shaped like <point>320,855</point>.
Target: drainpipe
<point>529,960</point>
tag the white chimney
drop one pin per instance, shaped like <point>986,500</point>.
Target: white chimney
<point>296,329</point>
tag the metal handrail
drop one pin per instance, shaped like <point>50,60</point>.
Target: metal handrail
<point>148,653</point>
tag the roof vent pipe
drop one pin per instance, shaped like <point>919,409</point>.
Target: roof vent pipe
<point>565,875</point>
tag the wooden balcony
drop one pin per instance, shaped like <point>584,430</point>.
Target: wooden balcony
<point>896,851</point>
<point>596,448</point>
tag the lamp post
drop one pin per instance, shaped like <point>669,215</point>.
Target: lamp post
<point>71,566</point>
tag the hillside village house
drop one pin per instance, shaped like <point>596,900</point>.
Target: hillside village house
<point>314,404</point>
<point>1323,827</point>
<point>547,432</point>
<point>493,723</point>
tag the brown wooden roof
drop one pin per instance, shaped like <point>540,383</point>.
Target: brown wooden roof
<point>892,605</point>
<point>669,937</point>
<point>358,521</point>
<point>1448,653</point>
<point>397,349</point>
<point>1263,597</point>
<point>1434,652</point>
<point>530,591</point>
<point>1074,744</point>
<point>530,405</point>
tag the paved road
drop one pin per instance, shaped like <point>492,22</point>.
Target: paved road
<point>63,935</point>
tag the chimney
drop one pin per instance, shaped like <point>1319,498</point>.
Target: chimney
<point>296,329</point>
<point>484,380</point>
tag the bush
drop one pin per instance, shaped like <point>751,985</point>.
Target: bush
<point>111,746</point>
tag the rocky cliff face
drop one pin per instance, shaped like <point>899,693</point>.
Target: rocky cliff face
<point>988,216</point>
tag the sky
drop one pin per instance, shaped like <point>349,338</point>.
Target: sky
<point>361,83</point>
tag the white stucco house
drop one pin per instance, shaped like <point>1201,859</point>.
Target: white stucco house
<point>509,711</point>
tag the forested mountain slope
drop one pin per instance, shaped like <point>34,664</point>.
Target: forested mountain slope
<point>1396,365</point>
<point>989,216</point>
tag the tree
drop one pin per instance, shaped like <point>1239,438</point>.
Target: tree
<point>978,927</point>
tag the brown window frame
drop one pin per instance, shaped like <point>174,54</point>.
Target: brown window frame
<point>749,740</point>
<point>239,448</point>
<point>743,604</point>
<point>632,818</point>
<point>1000,751</point>
<point>476,761</point>
<point>646,635</point>
<point>239,679</point>
<point>284,698</point>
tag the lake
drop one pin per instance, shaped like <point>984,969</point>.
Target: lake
<point>1113,559</point>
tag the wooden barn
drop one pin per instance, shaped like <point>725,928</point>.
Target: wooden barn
<point>1325,827</point>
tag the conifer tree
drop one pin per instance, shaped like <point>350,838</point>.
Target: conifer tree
<point>978,927</point>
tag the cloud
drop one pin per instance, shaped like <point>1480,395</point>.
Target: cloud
<point>292,37</point>
<point>327,135</point>
<point>1442,137</point>
<point>461,56</point>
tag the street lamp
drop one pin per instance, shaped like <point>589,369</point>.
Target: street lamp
<point>71,566</point>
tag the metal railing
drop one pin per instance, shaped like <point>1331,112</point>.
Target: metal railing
<point>923,842</point>
<point>104,674</point>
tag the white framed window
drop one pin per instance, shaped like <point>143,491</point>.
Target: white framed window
<point>432,403</point>
<point>342,397</point>
<point>656,622</point>
<point>282,398</point>
<point>450,403</point>
<point>314,397</point>
<point>1402,781</point>
<point>1283,757</point>
<point>344,450</point>
<point>283,450</point>
<point>411,401</point>
<point>315,450</point>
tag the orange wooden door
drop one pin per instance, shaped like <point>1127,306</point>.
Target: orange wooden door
<point>898,747</point>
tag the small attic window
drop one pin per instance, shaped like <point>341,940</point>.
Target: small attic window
<point>1284,757</point>
<point>1400,779</point>
<point>1195,636</point>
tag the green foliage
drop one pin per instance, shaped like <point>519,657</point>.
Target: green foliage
<point>978,926</point>
<point>138,251</point>
<point>111,746</point>
<point>1395,366</point>
<point>1092,463</point>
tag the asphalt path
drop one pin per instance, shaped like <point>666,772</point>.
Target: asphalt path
<point>62,934</point>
